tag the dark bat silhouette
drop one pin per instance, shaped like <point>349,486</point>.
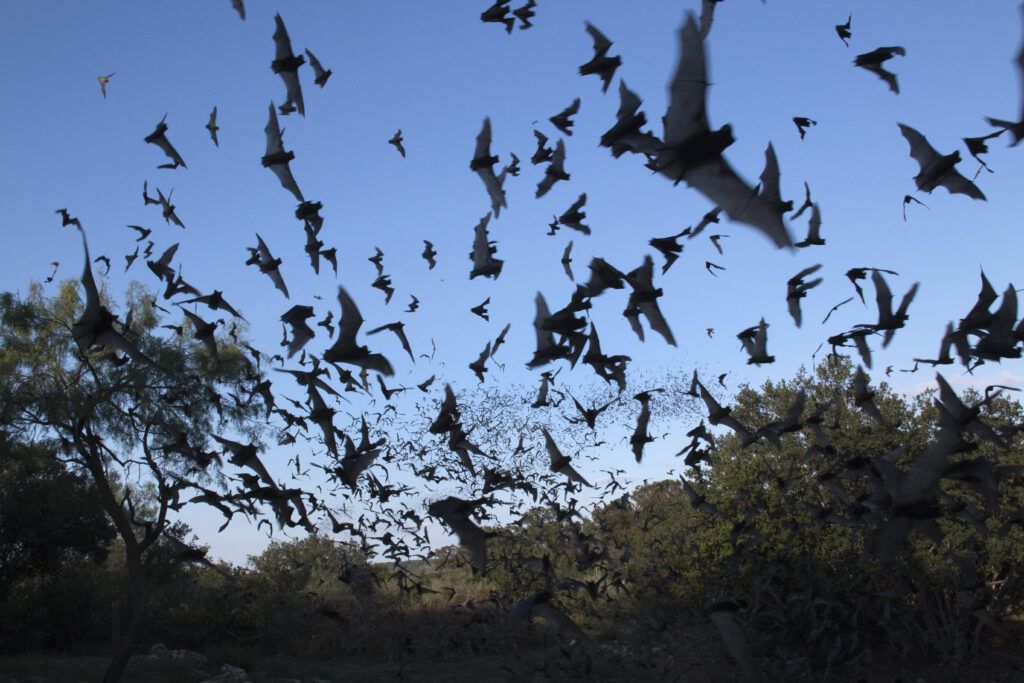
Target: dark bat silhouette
<point>513,167</point>
<point>906,200</point>
<point>708,265</point>
<point>215,302</point>
<point>567,261</point>
<point>978,146</point>
<point>398,329</point>
<point>483,252</point>
<point>561,464</point>
<point>693,152</point>
<point>813,230</point>
<point>103,80</point>
<point>872,61</point>
<point>708,218</point>
<point>554,172</point>
<point>268,265</point>
<point>855,274</point>
<point>755,343</point>
<point>500,339</point>
<point>802,124</point>
<point>717,241</point>
<point>345,348</point>
<point>543,153</point>
<point>524,14</point>
<point>481,310</point>
<point>937,169</point>
<point>95,327</point>
<point>644,300</point>
<point>498,14</point>
<point>143,232</point>
<point>239,6</point>
<point>669,248</point>
<point>888,321</point>
<point>167,209</point>
<point>836,307</point>
<point>295,318</point>
<point>456,512</point>
<point>573,216</point>
<point>429,254</point>
<point>797,289</point>
<point>601,64</point>
<point>212,127</point>
<point>844,32</point>
<point>203,331</point>
<point>146,199</point>
<point>277,159</point>
<point>320,73</point>
<point>1016,128</point>
<point>396,140</point>
<point>158,138</point>
<point>483,165</point>
<point>286,65</point>
<point>641,437</point>
<point>413,305</point>
<point>563,119</point>
<point>479,366</point>
<point>332,257</point>
<point>625,135</point>
<point>604,276</point>
<point>806,205</point>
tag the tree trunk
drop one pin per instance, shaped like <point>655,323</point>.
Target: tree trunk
<point>137,602</point>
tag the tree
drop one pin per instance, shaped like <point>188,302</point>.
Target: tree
<point>121,424</point>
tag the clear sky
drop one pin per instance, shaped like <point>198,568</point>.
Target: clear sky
<point>435,71</point>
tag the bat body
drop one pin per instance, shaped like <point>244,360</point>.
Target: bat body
<point>873,61</point>
<point>159,138</point>
<point>319,72</point>
<point>346,349</point>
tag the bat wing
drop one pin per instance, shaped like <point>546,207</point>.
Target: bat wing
<point>275,143</point>
<point>165,144</point>
<point>883,297</point>
<point>282,43</point>
<point>483,140</point>
<point>958,184</point>
<point>707,16</point>
<point>656,320</point>
<point>601,42</point>
<point>794,309</point>
<point>922,152</point>
<point>287,180</point>
<point>719,183</point>
<point>351,320</point>
<point>293,89</point>
<point>239,6</point>
<point>318,68</point>
<point>686,115</point>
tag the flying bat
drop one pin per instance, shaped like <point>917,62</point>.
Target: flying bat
<point>693,152</point>
<point>554,172</point>
<point>239,6</point>
<point>396,141</point>
<point>872,61</point>
<point>483,165</point>
<point>601,64</point>
<point>269,265</point>
<point>398,329</point>
<point>1016,128</point>
<point>563,119</point>
<point>498,14</point>
<point>276,158</point>
<point>573,216</point>
<point>524,14</point>
<point>625,135</point>
<point>286,65</point>
<point>844,32</point>
<point>295,318</point>
<point>797,289</point>
<point>103,80</point>
<point>937,169</point>
<point>212,126</point>
<point>320,73</point>
<point>813,230</point>
<point>346,349</point>
<point>429,254</point>
<point>802,124</point>
<point>483,252</point>
<point>543,152</point>
<point>561,464</point>
<point>159,138</point>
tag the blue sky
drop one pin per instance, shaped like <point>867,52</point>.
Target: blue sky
<point>435,71</point>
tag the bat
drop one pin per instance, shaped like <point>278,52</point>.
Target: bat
<point>269,265</point>
<point>554,172</point>
<point>693,152</point>
<point>158,138</point>
<point>797,289</point>
<point>625,135</point>
<point>483,252</point>
<point>286,65</point>
<point>396,140</point>
<point>844,32</point>
<point>872,61</point>
<point>483,165</point>
<point>277,159</point>
<point>320,73</point>
<point>212,126</point>
<point>103,80</point>
<point>295,318</point>
<point>563,119</point>
<point>601,64</point>
<point>937,169</point>
<point>346,349</point>
<point>573,216</point>
<point>1016,129</point>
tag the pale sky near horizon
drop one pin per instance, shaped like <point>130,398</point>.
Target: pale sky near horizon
<point>435,71</point>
